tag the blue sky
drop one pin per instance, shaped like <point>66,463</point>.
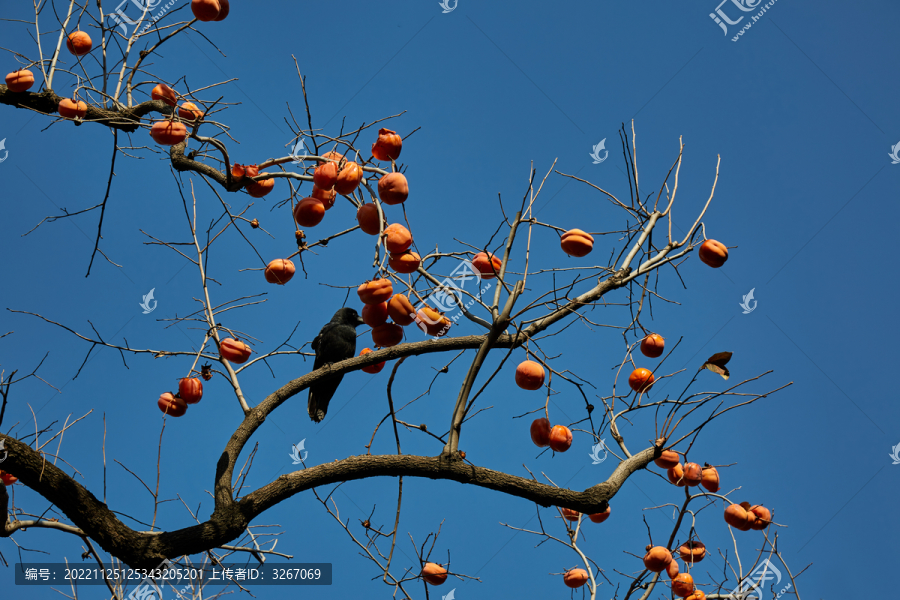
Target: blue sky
<point>802,110</point>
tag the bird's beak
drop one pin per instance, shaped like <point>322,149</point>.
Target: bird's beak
<point>359,321</point>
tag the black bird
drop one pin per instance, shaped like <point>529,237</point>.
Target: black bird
<point>336,342</point>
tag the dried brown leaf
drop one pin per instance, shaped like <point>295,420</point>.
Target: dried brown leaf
<point>716,363</point>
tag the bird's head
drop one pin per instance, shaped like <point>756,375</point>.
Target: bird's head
<point>347,316</point>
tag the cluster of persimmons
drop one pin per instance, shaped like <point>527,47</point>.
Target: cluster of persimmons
<point>740,516</point>
<point>336,174</point>
<point>659,558</point>
<point>79,43</point>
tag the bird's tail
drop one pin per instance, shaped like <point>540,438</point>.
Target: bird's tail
<point>316,412</point>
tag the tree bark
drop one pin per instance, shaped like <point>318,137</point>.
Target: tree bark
<point>230,519</point>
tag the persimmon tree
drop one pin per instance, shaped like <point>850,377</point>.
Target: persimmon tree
<point>359,169</point>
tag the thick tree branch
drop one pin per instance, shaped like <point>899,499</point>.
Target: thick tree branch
<point>590,501</point>
<point>148,549</point>
<point>127,119</point>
